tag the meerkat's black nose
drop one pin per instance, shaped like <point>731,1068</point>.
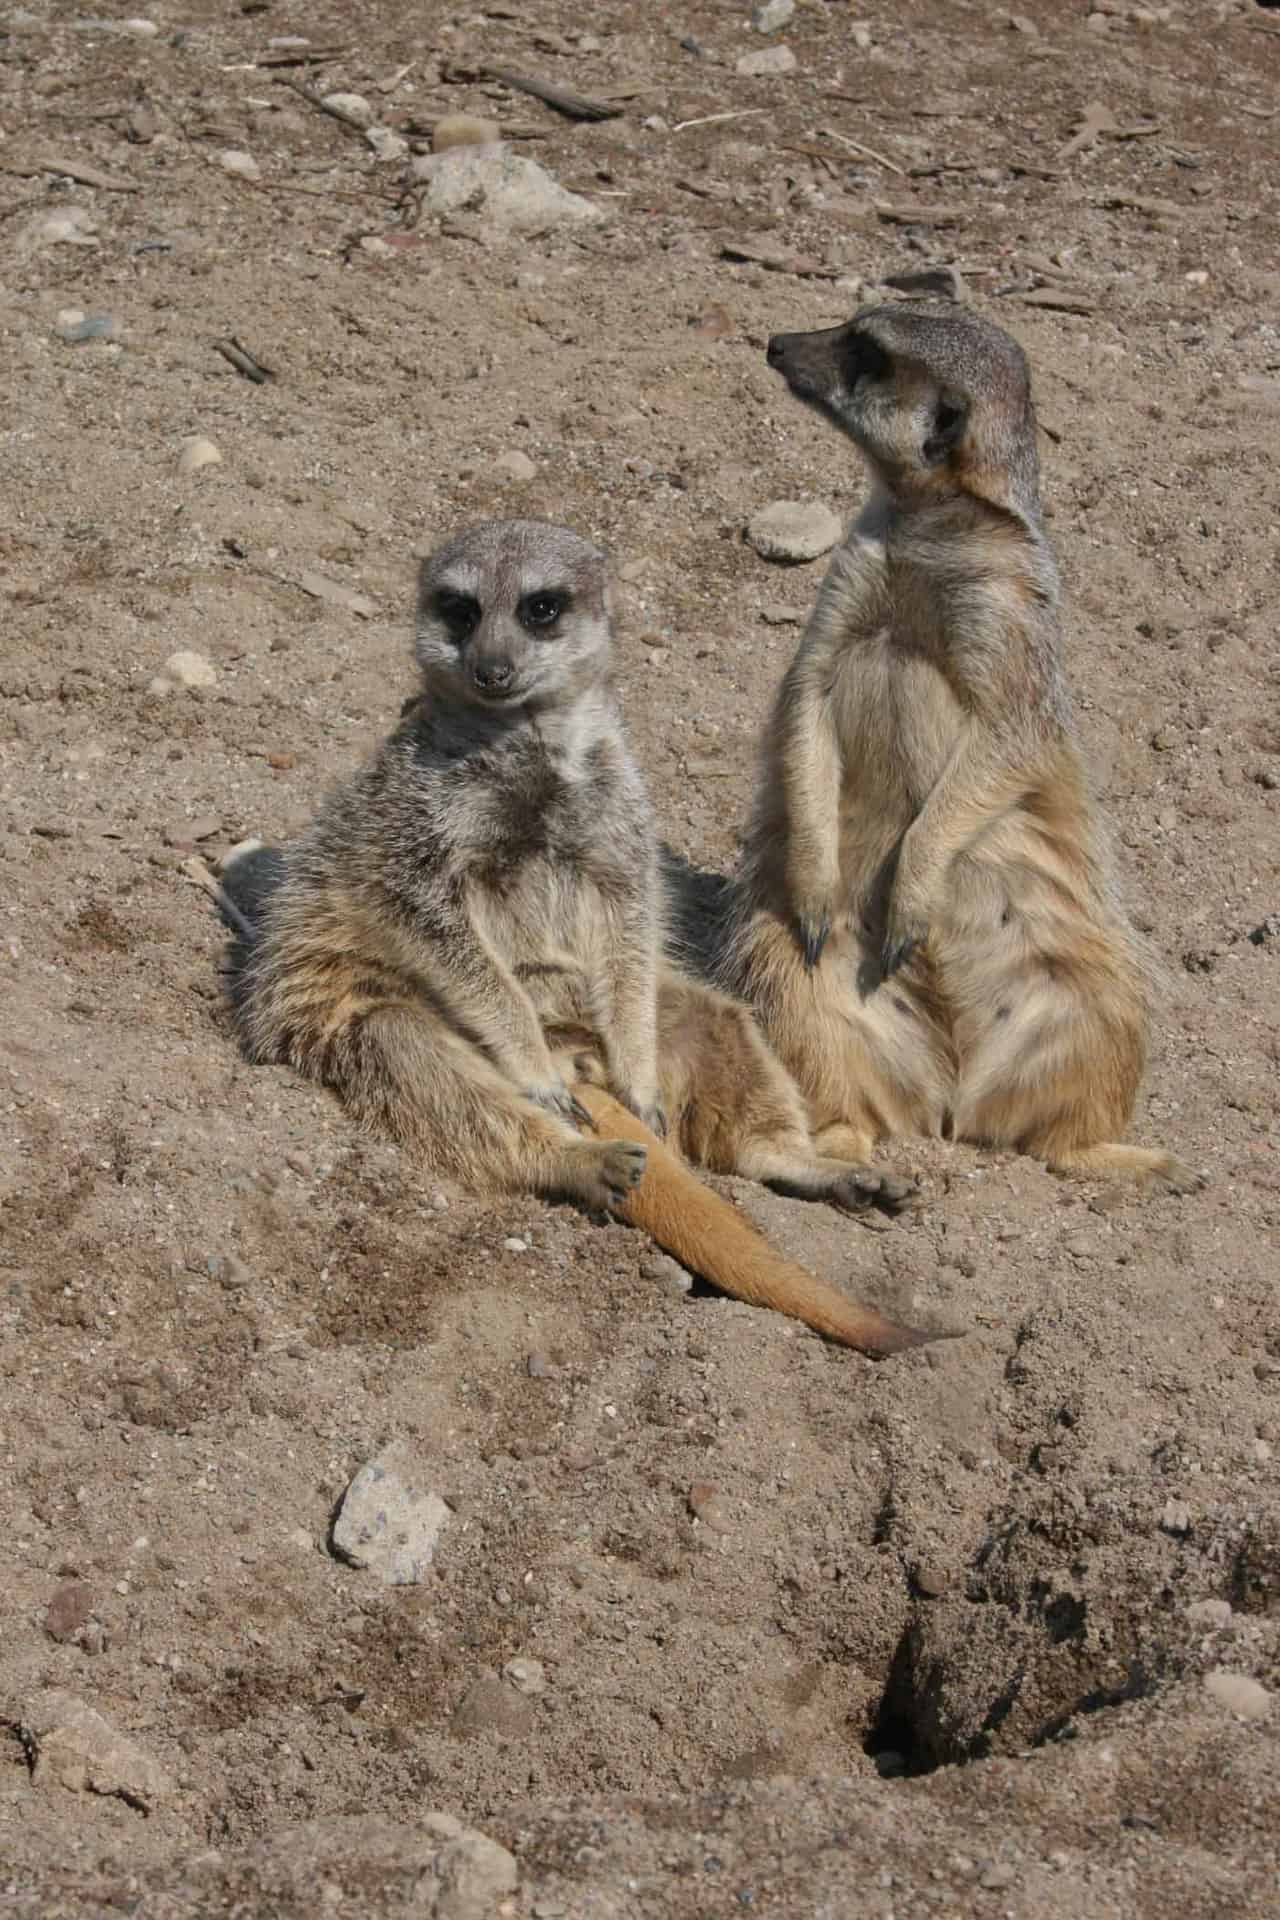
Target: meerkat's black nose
<point>493,676</point>
<point>776,348</point>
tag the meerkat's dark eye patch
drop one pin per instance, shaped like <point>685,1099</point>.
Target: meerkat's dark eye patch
<point>949,420</point>
<point>460,612</point>
<point>542,609</point>
<point>862,358</point>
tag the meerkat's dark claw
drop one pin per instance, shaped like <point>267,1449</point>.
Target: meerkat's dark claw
<point>896,955</point>
<point>813,938</point>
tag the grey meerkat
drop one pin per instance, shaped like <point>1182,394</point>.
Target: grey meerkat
<point>475,918</point>
<point>925,918</point>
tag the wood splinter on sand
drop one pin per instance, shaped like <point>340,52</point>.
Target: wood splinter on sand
<point>711,1238</point>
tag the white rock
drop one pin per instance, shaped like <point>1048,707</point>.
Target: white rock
<point>793,530</point>
<point>386,145</point>
<point>773,15</point>
<point>769,61</point>
<point>525,1675</point>
<point>1247,1699</point>
<point>352,106</point>
<point>243,165</point>
<point>514,466</point>
<point>506,192</point>
<point>197,452</point>
<point>389,1522</point>
<point>514,1244</point>
<point>187,669</point>
<point>76,1748</point>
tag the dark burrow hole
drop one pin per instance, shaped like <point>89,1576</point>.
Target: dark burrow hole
<point>908,1736</point>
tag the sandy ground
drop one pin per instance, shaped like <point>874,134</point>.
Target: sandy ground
<point>949,1635</point>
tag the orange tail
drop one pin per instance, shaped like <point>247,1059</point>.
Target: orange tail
<point>710,1237</point>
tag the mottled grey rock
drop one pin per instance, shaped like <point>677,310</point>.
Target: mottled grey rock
<point>389,1522</point>
<point>772,15</point>
<point>793,530</point>
<point>505,192</point>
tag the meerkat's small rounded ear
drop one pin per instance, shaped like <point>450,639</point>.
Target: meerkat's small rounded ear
<point>950,417</point>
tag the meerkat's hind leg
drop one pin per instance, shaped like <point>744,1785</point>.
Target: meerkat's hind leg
<point>1152,1166</point>
<point>793,1168</point>
<point>400,1070</point>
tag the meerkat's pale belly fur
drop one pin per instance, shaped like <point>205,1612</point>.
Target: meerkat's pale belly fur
<point>1023,1020</point>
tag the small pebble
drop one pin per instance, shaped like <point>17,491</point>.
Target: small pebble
<point>351,106</point>
<point>1176,1517</point>
<point>491,1705</point>
<point>198,452</point>
<point>769,61</point>
<point>1246,1698</point>
<point>707,1505</point>
<point>776,613</point>
<point>242,165</point>
<point>537,1366</point>
<point>386,144</point>
<point>74,226</point>
<point>69,1611</point>
<point>515,1245</point>
<point>526,1676</point>
<point>773,15</point>
<point>75,327</point>
<point>997,1876</point>
<point>932,1581</point>
<point>666,1273</point>
<point>463,130</point>
<point>946,281</point>
<point>1210,1613</point>
<point>188,669</point>
<point>793,530</point>
<point>514,466</point>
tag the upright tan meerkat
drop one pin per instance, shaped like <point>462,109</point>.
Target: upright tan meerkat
<point>476,915</point>
<point>925,920</point>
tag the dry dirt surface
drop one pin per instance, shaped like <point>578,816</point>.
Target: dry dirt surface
<point>993,1628</point>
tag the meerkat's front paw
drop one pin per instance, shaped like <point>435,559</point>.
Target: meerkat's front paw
<point>556,1097</point>
<point>905,932</point>
<point>651,1112</point>
<point>614,1170</point>
<point>812,923</point>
